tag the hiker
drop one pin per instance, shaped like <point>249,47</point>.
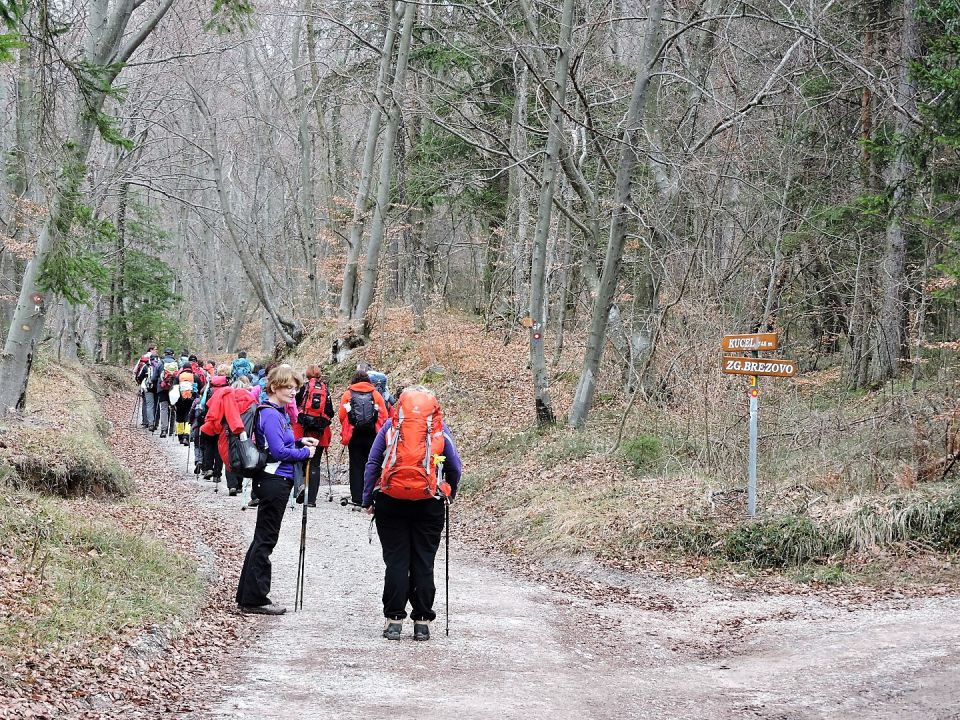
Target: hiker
<point>407,504</point>
<point>315,412</point>
<point>235,480</point>
<point>273,485</point>
<point>164,381</point>
<point>379,381</point>
<point>190,381</point>
<point>211,463</point>
<point>141,375</point>
<point>241,366</point>
<point>362,413</point>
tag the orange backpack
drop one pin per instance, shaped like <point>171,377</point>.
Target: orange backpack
<point>414,442</point>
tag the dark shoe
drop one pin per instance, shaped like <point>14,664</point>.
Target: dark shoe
<point>207,474</point>
<point>253,503</point>
<point>270,609</point>
<point>311,504</point>
<point>421,629</point>
<point>163,433</point>
<point>392,629</point>
<point>233,492</point>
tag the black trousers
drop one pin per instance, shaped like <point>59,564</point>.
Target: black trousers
<point>210,455</point>
<point>318,474</point>
<point>409,533</point>
<point>254,586</point>
<point>359,447</point>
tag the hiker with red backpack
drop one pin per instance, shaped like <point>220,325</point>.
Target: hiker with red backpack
<point>362,413</point>
<point>190,382</point>
<point>315,415</point>
<point>410,478</point>
<point>274,436</point>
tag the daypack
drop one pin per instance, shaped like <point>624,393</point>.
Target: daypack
<point>150,373</point>
<point>240,366</point>
<point>143,368</point>
<point>379,381</point>
<point>246,457</point>
<point>186,385</point>
<point>313,414</point>
<point>363,410</point>
<point>414,442</point>
<point>168,375</point>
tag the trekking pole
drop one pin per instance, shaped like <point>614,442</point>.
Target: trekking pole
<point>438,462</point>
<point>136,408</point>
<point>298,597</point>
<point>446,512</point>
<point>329,478</point>
<point>188,454</point>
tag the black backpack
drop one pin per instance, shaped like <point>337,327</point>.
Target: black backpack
<point>363,410</point>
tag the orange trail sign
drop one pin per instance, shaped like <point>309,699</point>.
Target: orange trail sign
<point>757,341</point>
<point>758,366</point>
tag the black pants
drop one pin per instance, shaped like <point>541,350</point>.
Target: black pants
<point>318,474</point>
<point>210,454</point>
<point>254,586</point>
<point>359,447</point>
<point>409,533</point>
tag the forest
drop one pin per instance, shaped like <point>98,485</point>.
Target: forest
<point>558,215</point>
<point>648,176</point>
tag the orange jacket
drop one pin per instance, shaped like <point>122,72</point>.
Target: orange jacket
<point>346,429</point>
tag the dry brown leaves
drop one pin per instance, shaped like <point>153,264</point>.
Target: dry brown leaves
<point>146,672</point>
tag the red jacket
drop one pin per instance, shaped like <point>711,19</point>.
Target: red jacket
<point>346,429</point>
<point>234,405</point>
<point>213,422</point>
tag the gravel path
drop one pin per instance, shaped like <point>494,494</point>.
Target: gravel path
<point>598,644</point>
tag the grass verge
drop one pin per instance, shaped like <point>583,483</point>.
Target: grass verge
<point>70,579</point>
<point>58,445</point>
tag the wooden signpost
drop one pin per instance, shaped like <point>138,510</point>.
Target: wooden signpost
<point>754,366</point>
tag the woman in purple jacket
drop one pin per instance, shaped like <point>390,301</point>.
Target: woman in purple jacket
<point>272,487</point>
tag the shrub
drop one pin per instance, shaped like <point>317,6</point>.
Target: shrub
<point>642,451</point>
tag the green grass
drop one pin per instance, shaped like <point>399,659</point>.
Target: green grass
<point>92,580</point>
<point>61,448</point>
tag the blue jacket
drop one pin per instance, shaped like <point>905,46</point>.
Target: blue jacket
<point>273,426</point>
<point>371,473</point>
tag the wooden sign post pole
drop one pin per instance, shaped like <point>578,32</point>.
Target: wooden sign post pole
<point>752,460</point>
<point>754,367</point>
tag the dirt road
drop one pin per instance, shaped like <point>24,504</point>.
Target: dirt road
<point>603,645</point>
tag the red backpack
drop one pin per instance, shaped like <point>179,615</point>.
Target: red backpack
<point>313,415</point>
<point>414,443</point>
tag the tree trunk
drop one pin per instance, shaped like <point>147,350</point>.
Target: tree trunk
<point>891,342</point>
<point>558,91</point>
<point>362,198</point>
<point>378,225</point>
<point>583,399</point>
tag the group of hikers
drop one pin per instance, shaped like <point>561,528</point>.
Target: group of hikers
<point>404,469</point>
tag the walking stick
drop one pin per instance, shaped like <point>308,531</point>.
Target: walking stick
<point>446,508</point>
<point>298,597</point>
<point>329,478</point>
<point>136,408</point>
<point>188,454</point>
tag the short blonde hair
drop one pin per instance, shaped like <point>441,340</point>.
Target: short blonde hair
<point>224,370</point>
<point>282,376</point>
<point>242,382</point>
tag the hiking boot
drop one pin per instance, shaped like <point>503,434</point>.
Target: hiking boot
<point>233,492</point>
<point>421,629</point>
<point>253,503</point>
<point>163,433</point>
<point>271,609</point>
<point>207,474</point>
<point>311,504</point>
<point>392,629</point>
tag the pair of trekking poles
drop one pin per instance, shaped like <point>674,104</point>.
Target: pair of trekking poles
<point>301,569</point>
<point>301,562</point>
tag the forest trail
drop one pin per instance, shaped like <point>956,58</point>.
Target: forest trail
<point>608,645</point>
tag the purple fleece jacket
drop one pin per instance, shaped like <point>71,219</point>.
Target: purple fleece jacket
<point>274,426</point>
<point>371,473</point>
